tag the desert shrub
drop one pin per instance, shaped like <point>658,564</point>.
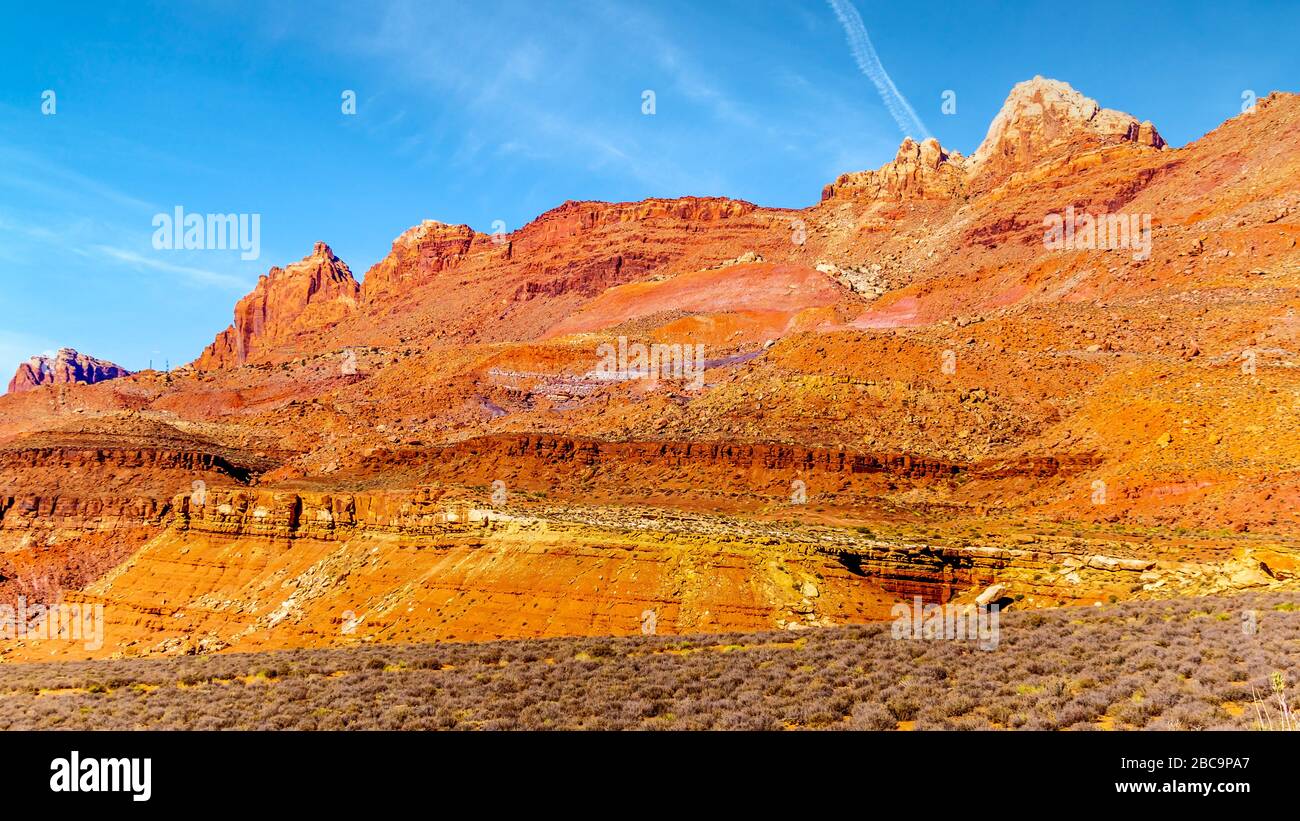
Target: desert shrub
<point>1167,664</point>
<point>866,716</point>
<point>902,708</point>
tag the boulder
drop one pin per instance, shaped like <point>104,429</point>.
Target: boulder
<point>991,594</point>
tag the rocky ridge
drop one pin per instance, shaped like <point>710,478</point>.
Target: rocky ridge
<point>66,367</point>
<point>907,348</point>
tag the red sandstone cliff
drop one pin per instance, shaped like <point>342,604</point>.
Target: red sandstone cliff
<point>914,313</point>
<point>1042,119</point>
<point>315,292</point>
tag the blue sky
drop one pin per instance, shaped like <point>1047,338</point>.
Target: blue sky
<point>476,112</point>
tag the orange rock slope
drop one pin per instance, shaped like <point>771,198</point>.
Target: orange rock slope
<point>911,387</point>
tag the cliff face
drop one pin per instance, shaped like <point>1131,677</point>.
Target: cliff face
<point>283,569</point>
<point>448,284</point>
<point>1042,119</point>
<point>419,255</point>
<point>957,402</point>
<point>67,367</point>
<point>920,170</point>
<point>315,292</point>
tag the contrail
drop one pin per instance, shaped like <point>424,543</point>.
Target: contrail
<point>865,55</point>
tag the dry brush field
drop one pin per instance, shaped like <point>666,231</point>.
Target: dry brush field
<point>1190,663</point>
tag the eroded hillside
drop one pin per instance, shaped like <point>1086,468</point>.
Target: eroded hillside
<point>903,388</point>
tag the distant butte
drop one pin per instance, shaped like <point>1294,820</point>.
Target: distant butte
<point>66,367</point>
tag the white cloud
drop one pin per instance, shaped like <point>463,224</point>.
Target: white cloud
<point>55,182</point>
<point>198,275</point>
<point>869,62</point>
